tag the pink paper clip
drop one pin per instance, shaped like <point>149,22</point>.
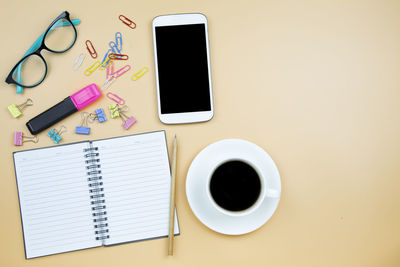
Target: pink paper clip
<point>122,70</point>
<point>110,69</point>
<point>19,138</point>
<point>115,98</point>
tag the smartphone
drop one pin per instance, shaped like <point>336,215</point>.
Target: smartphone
<point>182,68</point>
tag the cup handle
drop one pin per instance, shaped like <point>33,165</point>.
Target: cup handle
<point>272,193</point>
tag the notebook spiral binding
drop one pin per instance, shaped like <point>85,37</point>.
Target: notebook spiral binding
<point>96,191</point>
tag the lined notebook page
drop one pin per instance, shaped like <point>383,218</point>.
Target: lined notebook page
<point>137,180</point>
<point>54,200</point>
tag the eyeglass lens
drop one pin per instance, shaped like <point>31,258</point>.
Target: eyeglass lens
<point>59,38</point>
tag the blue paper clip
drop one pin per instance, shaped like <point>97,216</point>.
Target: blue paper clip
<point>106,59</point>
<point>114,47</point>
<point>56,135</point>
<point>118,40</point>
<point>83,128</point>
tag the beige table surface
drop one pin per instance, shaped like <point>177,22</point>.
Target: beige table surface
<point>315,83</point>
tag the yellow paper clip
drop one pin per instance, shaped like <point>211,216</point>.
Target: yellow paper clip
<point>15,110</point>
<point>92,68</point>
<point>139,74</point>
<point>105,64</point>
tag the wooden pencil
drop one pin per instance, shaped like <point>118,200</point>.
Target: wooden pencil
<point>172,203</point>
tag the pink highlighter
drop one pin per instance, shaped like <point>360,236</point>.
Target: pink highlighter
<point>68,106</point>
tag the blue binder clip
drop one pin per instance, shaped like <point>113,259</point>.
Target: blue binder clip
<point>56,135</point>
<point>83,128</point>
<point>99,115</point>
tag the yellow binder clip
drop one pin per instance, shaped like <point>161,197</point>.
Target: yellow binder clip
<point>139,74</point>
<point>114,110</point>
<point>92,68</point>
<point>16,110</point>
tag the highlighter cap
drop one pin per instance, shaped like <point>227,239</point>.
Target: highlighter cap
<point>86,96</point>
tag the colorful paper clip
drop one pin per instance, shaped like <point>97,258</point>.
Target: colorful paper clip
<point>110,69</point>
<point>16,110</point>
<point>127,22</point>
<point>115,98</point>
<point>92,68</point>
<point>78,61</point>
<point>108,82</point>
<point>118,56</point>
<point>122,70</point>
<point>19,138</point>
<point>91,49</point>
<point>139,74</point>
<point>114,47</point>
<point>105,58</point>
<point>83,128</point>
<point>98,115</point>
<point>127,121</point>
<point>118,40</point>
<point>56,135</point>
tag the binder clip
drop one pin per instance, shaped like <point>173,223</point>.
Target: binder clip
<point>83,127</point>
<point>98,115</point>
<point>16,110</point>
<point>114,110</point>
<point>19,138</point>
<point>117,111</point>
<point>56,135</point>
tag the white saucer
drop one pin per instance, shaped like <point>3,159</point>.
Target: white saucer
<point>196,185</point>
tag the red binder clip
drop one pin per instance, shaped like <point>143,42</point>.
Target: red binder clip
<point>127,22</point>
<point>91,49</point>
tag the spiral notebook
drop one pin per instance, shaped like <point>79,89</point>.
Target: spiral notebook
<point>94,193</point>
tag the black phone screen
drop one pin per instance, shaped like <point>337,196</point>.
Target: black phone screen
<point>183,75</point>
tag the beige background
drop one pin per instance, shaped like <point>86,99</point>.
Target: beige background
<point>315,83</point>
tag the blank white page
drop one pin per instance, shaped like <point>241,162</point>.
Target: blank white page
<point>137,180</point>
<point>54,200</point>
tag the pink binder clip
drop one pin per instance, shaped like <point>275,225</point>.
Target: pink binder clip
<point>129,122</point>
<point>117,111</point>
<point>19,138</point>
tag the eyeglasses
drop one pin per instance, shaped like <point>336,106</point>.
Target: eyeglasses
<point>59,37</point>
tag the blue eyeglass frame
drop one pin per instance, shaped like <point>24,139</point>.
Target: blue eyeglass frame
<point>37,47</point>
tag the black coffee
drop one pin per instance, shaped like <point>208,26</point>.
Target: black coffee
<point>235,186</point>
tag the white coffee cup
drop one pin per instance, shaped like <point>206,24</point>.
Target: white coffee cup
<point>265,192</point>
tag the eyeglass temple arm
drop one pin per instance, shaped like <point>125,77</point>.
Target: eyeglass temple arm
<point>35,45</point>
